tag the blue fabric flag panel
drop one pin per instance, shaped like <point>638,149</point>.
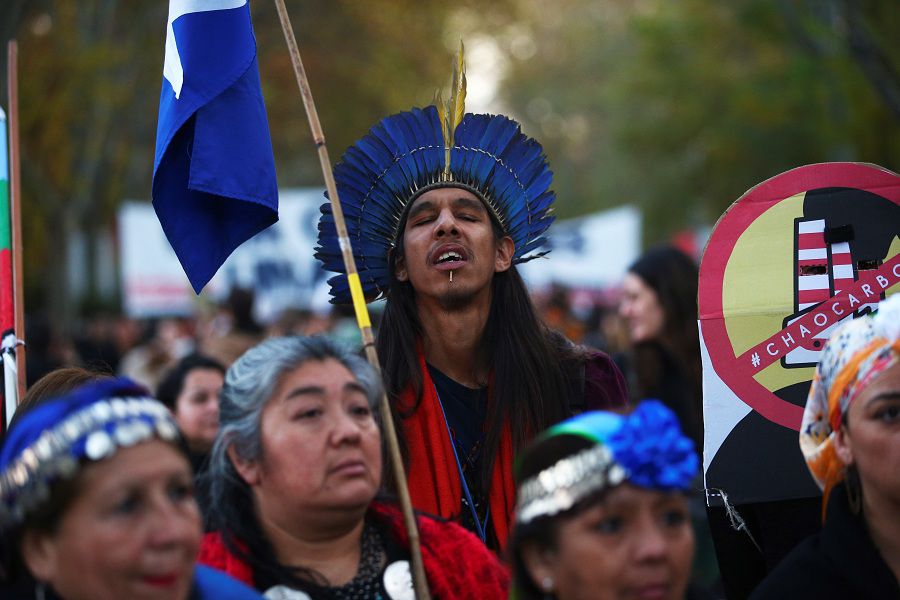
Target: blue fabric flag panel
<point>214,183</point>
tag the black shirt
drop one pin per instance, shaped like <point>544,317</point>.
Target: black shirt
<point>466,409</point>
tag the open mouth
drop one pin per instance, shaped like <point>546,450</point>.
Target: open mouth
<point>448,258</point>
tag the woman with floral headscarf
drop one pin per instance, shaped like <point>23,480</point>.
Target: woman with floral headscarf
<point>850,436</point>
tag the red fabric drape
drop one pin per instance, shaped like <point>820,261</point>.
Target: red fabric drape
<point>433,475</point>
<point>457,565</point>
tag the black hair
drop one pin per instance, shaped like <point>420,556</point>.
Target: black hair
<point>538,367</point>
<point>673,277</point>
<point>173,382</point>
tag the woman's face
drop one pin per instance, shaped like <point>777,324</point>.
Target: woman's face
<point>133,531</point>
<point>321,448</point>
<point>871,438</point>
<point>197,407</point>
<point>634,544</point>
<point>641,309</point>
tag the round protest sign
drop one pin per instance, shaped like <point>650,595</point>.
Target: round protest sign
<point>789,261</point>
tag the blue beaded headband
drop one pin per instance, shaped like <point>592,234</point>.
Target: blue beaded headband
<point>50,441</point>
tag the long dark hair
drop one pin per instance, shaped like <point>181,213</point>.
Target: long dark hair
<point>536,369</point>
<point>673,276</point>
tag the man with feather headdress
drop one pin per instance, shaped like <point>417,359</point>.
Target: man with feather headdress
<point>440,206</point>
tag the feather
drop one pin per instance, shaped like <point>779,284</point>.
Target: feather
<point>456,106</point>
<point>405,152</point>
<point>442,115</point>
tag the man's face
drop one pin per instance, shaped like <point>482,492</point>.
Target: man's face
<point>450,250</point>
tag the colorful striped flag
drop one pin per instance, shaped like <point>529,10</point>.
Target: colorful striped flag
<point>7,296</point>
<point>7,318</point>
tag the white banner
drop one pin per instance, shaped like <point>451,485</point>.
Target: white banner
<point>277,264</point>
<point>591,252</point>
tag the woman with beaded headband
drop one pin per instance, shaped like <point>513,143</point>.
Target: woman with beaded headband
<point>602,509</point>
<point>850,437</point>
<point>440,206</point>
<point>96,502</point>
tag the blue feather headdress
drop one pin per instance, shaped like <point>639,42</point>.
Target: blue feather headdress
<point>407,154</point>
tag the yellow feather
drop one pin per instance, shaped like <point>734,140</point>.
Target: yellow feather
<point>456,107</point>
<point>442,114</point>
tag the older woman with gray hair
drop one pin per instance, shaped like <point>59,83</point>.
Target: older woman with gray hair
<point>294,476</point>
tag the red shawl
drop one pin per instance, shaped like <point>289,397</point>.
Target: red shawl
<point>433,475</point>
<point>457,565</point>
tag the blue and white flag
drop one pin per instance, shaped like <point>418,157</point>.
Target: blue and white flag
<point>214,183</point>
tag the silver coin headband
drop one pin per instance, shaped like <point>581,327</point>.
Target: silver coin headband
<point>103,427</point>
<point>558,488</point>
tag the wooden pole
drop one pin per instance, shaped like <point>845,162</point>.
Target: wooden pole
<point>15,208</point>
<point>359,302</point>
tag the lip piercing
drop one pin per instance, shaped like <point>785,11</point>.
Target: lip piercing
<point>451,276</point>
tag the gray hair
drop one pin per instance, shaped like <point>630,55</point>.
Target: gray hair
<point>249,385</point>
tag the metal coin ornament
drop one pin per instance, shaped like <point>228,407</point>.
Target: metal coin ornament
<point>398,581</point>
<point>282,592</point>
<point>98,445</point>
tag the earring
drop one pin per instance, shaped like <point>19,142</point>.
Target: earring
<point>854,490</point>
<point>547,586</point>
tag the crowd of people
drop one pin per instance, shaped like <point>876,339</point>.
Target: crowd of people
<point>235,462</point>
<point>100,482</point>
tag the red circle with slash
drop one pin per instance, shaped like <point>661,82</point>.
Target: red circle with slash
<point>737,371</point>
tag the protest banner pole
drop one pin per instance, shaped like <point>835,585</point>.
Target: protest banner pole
<point>12,319</point>
<point>359,302</point>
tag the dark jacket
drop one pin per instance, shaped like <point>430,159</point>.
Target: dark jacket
<point>841,562</point>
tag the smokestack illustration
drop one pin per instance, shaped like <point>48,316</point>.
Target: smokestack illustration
<point>843,232</point>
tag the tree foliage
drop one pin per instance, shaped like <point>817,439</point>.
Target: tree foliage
<point>680,107</point>
<point>89,79</point>
<point>676,106</point>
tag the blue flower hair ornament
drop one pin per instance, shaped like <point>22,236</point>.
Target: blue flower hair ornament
<point>50,441</point>
<point>653,450</point>
<point>404,156</point>
<point>645,448</point>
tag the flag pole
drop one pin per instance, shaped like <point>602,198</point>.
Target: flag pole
<point>7,313</point>
<point>12,320</point>
<point>359,302</point>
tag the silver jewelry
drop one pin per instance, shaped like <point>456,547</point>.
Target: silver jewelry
<point>102,427</point>
<point>561,486</point>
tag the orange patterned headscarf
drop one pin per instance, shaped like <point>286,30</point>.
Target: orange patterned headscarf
<point>854,356</point>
